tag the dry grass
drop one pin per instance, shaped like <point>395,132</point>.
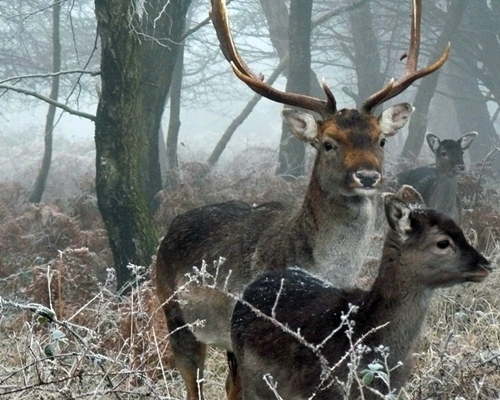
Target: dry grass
<point>88,343</point>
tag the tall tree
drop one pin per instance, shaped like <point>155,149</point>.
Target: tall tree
<point>292,151</point>
<point>277,17</point>
<point>484,24</point>
<point>39,186</point>
<point>127,120</point>
<point>174,123</point>
<point>418,122</point>
<point>366,56</point>
<point>161,32</point>
<point>472,108</point>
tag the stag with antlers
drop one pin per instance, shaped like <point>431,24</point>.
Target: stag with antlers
<point>328,234</point>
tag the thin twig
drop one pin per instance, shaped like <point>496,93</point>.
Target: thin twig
<point>50,75</point>
<point>50,101</point>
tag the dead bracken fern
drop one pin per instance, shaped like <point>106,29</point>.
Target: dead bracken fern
<point>110,347</point>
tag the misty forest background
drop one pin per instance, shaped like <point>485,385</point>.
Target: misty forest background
<point>118,115</point>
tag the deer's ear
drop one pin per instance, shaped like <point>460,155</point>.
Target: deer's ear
<point>394,118</point>
<point>411,196</point>
<point>397,213</point>
<point>433,141</point>
<point>466,140</point>
<point>303,125</point>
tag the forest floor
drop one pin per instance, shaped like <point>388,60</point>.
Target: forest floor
<point>66,334</point>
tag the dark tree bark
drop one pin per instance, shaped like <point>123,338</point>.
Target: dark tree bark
<point>366,55</point>
<point>160,46</point>
<point>471,109</point>
<point>418,123</point>
<point>175,111</point>
<point>174,124</point>
<point>41,180</point>
<point>127,125</point>
<point>292,151</point>
<point>277,19</point>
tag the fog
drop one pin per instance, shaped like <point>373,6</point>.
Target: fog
<point>212,96</point>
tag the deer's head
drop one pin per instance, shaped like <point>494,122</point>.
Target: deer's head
<point>350,146</point>
<point>432,248</point>
<point>449,152</point>
<point>349,142</point>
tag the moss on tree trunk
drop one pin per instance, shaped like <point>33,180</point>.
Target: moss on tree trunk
<point>120,141</point>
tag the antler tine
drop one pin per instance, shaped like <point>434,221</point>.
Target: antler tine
<point>411,73</point>
<point>220,21</point>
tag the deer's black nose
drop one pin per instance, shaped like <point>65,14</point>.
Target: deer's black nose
<point>367,178</point>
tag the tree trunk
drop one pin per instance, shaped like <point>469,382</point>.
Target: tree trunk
<point>484,24</point>
<point>174,124</point>
<point>163,26</point>
<point>39,186</point>
<point>120,142</point>
<point>136,77</point>
<point>292,151</point>
<point>418,123</point>
<point>277,19</point>
<point>366,55</point>
<point>472,110</point>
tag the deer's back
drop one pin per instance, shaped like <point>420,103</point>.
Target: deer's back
<point>423,179</point>
<point>263,347</point>
<point>230,230</point>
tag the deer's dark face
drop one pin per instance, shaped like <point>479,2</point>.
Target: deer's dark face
<point>449,152</point>
<point>437,253</point>
<point>449,157</point>
<point>350,153</point>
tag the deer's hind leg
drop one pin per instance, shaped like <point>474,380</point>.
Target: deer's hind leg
<point>189,354</point>
<point>233,382</point>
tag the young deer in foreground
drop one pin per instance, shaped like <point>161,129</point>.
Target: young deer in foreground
<point>424,250</point>
<point>328,235</point>
<point>438,186</point>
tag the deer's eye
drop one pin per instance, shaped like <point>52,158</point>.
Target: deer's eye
<point>329,146</point>
<point>444,154</point>
<point>443,244</point>
<point>383,142</point>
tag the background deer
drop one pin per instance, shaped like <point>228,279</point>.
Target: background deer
<point>423,250</point>
<point>328,235</point>
<point>438,185</point>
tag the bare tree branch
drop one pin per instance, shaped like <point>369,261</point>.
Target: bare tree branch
<point>49,100</point>
<point>337,11</point>
<point>74,71</point>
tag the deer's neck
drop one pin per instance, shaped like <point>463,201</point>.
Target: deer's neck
<point>339,230</point>
<point>444,196</point>
<point>395,297</point>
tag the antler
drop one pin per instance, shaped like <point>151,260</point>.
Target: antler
<point>411,73</point>
<point>221,24</point>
